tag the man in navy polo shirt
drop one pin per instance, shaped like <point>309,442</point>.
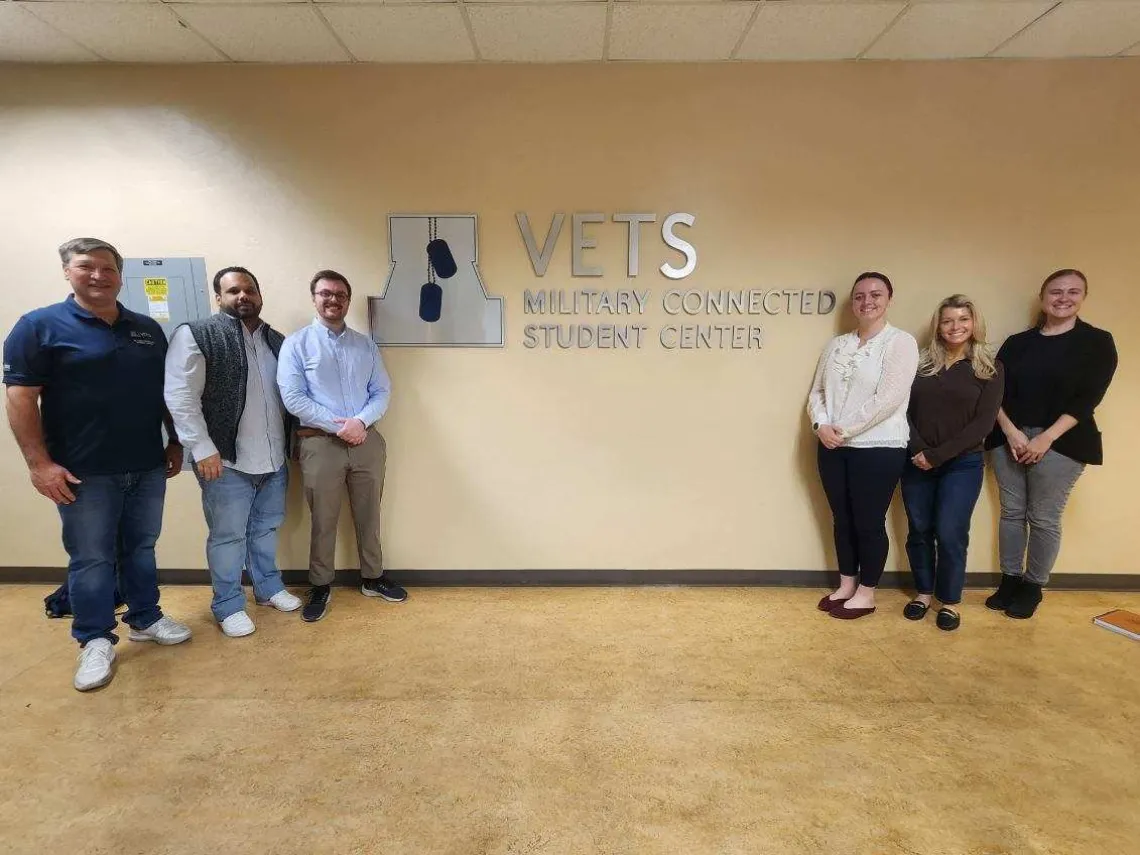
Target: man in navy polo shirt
<point>84,396</point>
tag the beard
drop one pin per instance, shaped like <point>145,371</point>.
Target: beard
<point>243,310</point>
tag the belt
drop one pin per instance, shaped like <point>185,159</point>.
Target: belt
<point>309,431</point>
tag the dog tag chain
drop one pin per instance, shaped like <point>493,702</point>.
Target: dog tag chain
<point>440,262</point>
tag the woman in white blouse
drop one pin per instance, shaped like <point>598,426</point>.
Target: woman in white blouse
<point>858,406</point>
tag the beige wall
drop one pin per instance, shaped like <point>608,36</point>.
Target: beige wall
<point>976,177</point>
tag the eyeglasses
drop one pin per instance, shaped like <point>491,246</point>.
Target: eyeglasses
<point>333,295</point>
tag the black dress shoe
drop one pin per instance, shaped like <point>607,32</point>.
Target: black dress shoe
<point>1025,601</point>
<point>948,619</point>
<point>915,610</point>
<point>318,605</point>
<point>1000,599</point>
<point>384,588</point>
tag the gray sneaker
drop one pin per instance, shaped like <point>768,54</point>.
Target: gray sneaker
<point>95,661</point>
<point>165,630</point>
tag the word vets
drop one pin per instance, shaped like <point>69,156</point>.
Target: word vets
<point>540,259</point>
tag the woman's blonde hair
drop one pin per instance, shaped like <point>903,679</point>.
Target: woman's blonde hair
<point>934,357</point>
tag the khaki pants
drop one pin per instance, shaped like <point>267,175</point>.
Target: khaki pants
<point>327,465</point>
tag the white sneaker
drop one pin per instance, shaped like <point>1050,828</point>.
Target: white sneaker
<point>283,601</point>
<point>95,660</point>
<point>237,625</point>
<point>165,630</point>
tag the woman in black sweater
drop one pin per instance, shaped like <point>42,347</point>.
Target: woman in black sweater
<point>953,404</point>
<point>1056,375</point>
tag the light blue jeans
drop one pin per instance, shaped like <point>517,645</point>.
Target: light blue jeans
<point>243,513</point>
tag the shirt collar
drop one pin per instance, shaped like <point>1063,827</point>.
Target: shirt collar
<point>241,325</point>
<point>73,306</point>
<point>881,335</point>
<point>319,324</point>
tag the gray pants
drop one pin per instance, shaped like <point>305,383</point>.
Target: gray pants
<point>328,465</point>
<point>1032,497</point>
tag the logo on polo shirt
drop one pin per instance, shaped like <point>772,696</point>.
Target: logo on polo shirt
<point>142,337</point>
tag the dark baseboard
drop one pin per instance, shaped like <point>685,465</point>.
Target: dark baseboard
<point>606,577</point>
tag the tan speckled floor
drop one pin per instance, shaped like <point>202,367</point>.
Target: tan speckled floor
<point>647,721</point>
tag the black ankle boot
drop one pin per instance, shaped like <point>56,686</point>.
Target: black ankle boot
<point>1025,600</point>
<point>1000,599</point>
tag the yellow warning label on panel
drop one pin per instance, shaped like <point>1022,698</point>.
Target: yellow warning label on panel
<point>157,295</point>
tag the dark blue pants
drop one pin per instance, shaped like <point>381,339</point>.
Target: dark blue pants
<point>111,527</point>
<point>939,503</point>
<point>859,483</point>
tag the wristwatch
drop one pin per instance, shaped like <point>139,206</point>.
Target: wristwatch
<point>814,427</point>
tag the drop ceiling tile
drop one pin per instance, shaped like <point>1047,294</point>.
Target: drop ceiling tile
<point>691,2</point>
<point>250,3</point>
<point>89,1</point>
<point>955,29</point>
<point>374,33</point>
<point>367,2</point>
<point>816,31</point>
<point>539,33</point>
<point>25,38</point>
<point>1079,28</point>
<point>533,2</point>
<point>127,32</point>
<point>688,32</point>
<point>293,33</point>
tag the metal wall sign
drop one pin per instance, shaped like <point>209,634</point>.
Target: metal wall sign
<point>614,319</point>
<point>435,297</point>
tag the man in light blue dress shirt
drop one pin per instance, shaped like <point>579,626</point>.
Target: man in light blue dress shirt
<point>333,380</point>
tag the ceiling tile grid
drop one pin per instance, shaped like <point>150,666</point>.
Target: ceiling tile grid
<point>555,31</point>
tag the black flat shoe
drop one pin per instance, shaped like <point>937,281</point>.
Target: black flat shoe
<point>915,610</point>
<point>948,619</point>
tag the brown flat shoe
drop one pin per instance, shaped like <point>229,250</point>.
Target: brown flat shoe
<point>827,604</point>
<point>851,614</point>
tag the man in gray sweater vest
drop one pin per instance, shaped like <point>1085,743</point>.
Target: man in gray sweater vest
<point>221,390</point>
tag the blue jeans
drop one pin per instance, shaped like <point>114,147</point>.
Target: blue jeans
<point>243,513</point>
<point>113,523</point>
<point>939,503</point>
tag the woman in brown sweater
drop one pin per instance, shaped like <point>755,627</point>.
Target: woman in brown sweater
<point>953,405</point>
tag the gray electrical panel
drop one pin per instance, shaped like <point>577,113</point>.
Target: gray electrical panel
<point>172,291</point>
